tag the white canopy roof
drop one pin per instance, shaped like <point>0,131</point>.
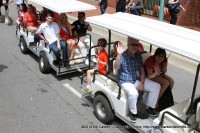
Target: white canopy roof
<point>63,6</point>
<point>177,39</point>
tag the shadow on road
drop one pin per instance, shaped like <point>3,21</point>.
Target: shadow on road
<point>11,20</point>
<point>2,67</point>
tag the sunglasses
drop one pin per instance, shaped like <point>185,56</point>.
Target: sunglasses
<point>134,44</point>
<point>80,16</point>
<point>99,45</point>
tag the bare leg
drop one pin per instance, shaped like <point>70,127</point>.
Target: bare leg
<point>89,76</point>
<point>164,85</point>
<point>71,48</point>
<point>171,81</point>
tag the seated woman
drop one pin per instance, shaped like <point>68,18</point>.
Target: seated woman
<point>135,7</point>
<point>45,11</point>
<point>31,19</point>
<point>113,52</point>
<point>65,34</point>
<point>156,68</point>
<point>22,11</point>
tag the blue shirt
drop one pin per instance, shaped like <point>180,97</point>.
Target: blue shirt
<point>129,68</point>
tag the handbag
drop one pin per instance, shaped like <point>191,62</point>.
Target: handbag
<point>141,107</point>
<point>174,7</point>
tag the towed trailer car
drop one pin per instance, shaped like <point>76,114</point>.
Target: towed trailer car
<point>46,56</point>
<point>110,100</point>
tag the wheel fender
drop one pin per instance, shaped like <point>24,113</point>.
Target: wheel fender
<point>102,92</point>
<point>25,39</point>
<point>46,54</point>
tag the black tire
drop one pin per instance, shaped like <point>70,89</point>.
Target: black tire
<point>103,110</point>
<point>44,63</point>
<point>23,46</point>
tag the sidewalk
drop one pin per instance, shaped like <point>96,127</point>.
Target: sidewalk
<point>111,10</point>
<point>94,12</point>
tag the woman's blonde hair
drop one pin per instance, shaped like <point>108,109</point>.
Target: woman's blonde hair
<point>60,19</point>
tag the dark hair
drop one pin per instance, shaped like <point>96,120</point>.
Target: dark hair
<point>116,42</point>
<point>24,7</point>
<point>102,42</point>
<point>160,51</point>
<point>81,13</point>
<point>50,14</point>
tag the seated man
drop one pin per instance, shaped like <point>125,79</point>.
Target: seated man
<point>51,32</point>
<point>80,28</point>
<point>131,77</point>
<point>135,7</point>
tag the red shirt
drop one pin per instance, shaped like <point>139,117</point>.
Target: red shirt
<point>150,63</point>
<point>65,35</point>
<point>103,56</point>
<point>56,17</point>
<point>31,20</point>
<point>21,18</point>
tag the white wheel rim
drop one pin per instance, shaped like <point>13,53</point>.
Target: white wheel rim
<point>101,110</point>
<point>21,45</point>
<point>42,62</point>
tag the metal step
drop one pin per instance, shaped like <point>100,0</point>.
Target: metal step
<point>33,48</point>
<point>72,68</point>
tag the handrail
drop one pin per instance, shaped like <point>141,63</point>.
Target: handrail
<point>190,109</point>
<point>97,71</point>
<point>167,112</point>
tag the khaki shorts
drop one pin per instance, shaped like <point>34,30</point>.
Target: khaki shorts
<point>32,29</point>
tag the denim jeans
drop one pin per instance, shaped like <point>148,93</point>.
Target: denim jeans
<point>136,10</point>
<point>36,38</point>
<point>103,8</point>
<point>53,46</point>
<point>120,9</point>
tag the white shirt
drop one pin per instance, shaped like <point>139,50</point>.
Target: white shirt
<point>50,31</point>
<point>18,2</point>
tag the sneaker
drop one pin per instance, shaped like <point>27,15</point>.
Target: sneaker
<point>88,89</point>
<point>94,60</point>
<point>86,62</point>
<point>62,65</point>
<point>151,112</point>
<point>157,110</point>
<point>55,62</point>
<point>133,117</point>
<point>67,65</point>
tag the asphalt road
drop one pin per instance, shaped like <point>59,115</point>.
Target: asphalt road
<point>32,102</point>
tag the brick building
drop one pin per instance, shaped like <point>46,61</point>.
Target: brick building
<point>192,15</point>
